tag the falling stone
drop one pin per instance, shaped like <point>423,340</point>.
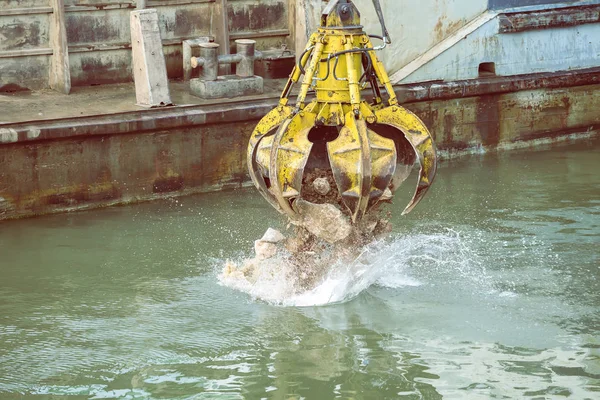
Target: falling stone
<point>387,195</point>
<point>272,236</point>
<point>324,220</point>
<point>264,250</point>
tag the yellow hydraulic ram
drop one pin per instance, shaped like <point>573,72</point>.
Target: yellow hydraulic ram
<point>339,148</point>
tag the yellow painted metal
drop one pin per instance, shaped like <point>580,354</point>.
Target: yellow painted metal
<point>264,130</point>
<point>349,155</point>
<point>383,165</point>
<point>363,161</point>
<point>382,76</point>
<point>353,76</point>
<point>333,84</point>
<point>310,72</point>
<point>363,164</point>
<point>348,17</point>
<point>263,155</point>
<point>289,152</point>
<point>332,114</point>
<point>420,139</point>
<point>296,71</point>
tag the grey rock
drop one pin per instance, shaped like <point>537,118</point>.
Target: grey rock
<point>321,186</point>
<point>272,236</point>
<point>325,221</point>
<point>387,195</point>
<point>264,250</point>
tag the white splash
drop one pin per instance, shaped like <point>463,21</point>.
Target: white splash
<point>388,264</point>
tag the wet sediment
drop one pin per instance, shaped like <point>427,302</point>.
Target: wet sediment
<point>310,248</point>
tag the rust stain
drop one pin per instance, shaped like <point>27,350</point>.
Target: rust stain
<point>188,22</point>
<point>168,184</point>
<point>488,119</point>
<point>68,196</point>
<point>97,69</point>
<point>91,28</point>
<point>190,156</point>
<point>568,16</point>
<point>7,204</point>
<point>444,28</point>
<point>21,35</point>
<point>167,178</point>
<point>438,30</point>
<point>257,16</point>
<point>448,137</point>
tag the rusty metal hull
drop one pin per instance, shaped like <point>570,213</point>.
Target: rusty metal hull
<point>78,163</point>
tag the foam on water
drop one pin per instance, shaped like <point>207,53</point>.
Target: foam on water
<point>391,263</point>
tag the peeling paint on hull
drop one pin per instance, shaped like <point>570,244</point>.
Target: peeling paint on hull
<point>79,163</point>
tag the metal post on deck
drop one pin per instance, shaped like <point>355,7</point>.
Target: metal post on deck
<point>210,85</point>
<point>220,29</point>
<point>245,49</point>
<point>209,53</point>
<point>60,75</point>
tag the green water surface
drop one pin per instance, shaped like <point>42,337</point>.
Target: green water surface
<point>489,289</point>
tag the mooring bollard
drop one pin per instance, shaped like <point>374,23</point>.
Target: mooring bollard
<point>188,48</point>
<point>245,48</point>
<point>208,60</point>
<point>212,86</point>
